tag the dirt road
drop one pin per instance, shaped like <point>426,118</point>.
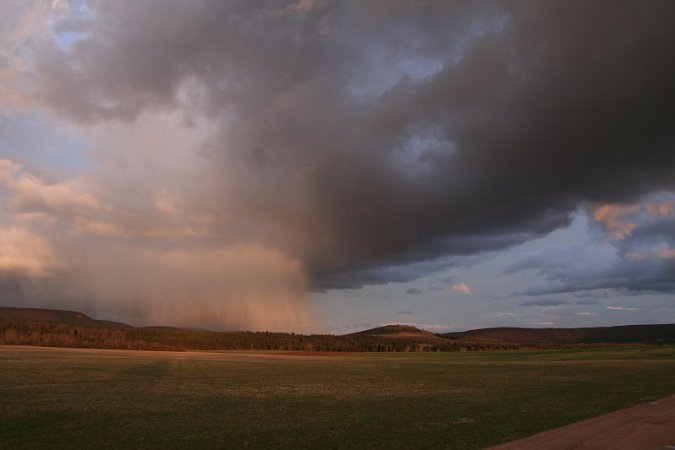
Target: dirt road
<point>641,427</point>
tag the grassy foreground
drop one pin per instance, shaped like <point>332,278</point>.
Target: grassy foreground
<point>68,398</point>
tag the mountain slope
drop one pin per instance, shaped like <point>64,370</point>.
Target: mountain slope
<point>627,334</point>
<point>55,316</point>
<point>393,330</point>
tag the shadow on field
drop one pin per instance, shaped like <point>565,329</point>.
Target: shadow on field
<point>153,371</point>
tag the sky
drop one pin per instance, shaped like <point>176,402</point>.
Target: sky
<point>331,166</point>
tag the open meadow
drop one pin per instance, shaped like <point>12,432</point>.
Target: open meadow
<point>78,398</point>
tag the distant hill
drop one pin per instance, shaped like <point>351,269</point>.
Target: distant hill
<point>72,318</point>
<point>399,331</point>
<point>394,330</point>
<point>627,334</point>
<point>54,328</point>
<point>413,337</point>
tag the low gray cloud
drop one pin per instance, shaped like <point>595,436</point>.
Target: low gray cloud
<point>545,302</point>
<point>642,260</point>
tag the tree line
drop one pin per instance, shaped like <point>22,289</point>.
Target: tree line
<point>22,332</point>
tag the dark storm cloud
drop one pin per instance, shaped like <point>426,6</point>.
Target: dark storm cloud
<point>356,135</point>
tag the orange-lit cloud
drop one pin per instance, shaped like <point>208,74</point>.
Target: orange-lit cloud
<point>665,208</point>
<point>615,219</point>
<point>462,288</point>
<point>666,253</point>
<point>29,193</point>
<point>25,253</point>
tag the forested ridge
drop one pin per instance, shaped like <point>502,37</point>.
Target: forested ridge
<point>53,328</point>
<point>22,332</point>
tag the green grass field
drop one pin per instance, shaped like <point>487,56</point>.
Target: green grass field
<point>67,398</point>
